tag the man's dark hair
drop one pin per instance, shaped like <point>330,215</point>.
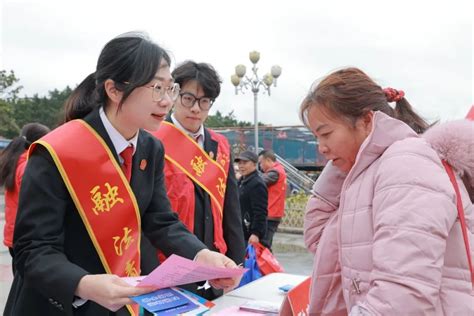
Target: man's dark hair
<point>268,153</point>
<point>203,73</point>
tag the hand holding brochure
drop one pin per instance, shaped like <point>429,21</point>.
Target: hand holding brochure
<point>177,270</point>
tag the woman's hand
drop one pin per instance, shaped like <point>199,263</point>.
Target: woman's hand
<point>253,239</point>
<point>217,259</point>
<point>108,290</point>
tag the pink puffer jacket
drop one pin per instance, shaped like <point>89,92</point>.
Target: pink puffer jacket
<point>386,236</point>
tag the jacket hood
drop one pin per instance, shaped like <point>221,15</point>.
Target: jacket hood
<point>454,142</point>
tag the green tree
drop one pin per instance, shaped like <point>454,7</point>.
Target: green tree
<point>17,111</point>
<point>8,88</point>
<point>44,110</point>
<point>8,126</point>
<point>229,120</point>
<point>8,94</point>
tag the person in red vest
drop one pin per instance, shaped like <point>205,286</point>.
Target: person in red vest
<point>12,167</point>
<point>199,173</point>
<point>274,176</point>
<point>94,185</point>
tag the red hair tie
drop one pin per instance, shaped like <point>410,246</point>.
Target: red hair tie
<point>393,95</point>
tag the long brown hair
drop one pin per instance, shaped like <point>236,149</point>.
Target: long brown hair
<point>349,93</point>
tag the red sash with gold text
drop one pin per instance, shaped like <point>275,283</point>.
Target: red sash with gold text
<point>104,199</point>
<point>188,156</point>
<point>209,174</point>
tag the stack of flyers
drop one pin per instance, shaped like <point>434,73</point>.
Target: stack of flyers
<point>166,302</point>
<point>203,305</point>
<point>174,301</point>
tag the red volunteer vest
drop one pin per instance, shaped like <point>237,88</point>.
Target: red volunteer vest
<point>277,193</point>
<point>11,202</point>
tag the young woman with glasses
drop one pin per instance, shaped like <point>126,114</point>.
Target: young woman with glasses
<point>94,186</point>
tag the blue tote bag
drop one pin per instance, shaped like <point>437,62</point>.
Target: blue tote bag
<point>250,263</point>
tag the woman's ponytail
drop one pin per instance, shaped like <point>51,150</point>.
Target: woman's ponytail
<point>82,100</point>
<point>404,111</point>
<point>8,160</point>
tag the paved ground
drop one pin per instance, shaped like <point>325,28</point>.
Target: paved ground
<point>289,251</point>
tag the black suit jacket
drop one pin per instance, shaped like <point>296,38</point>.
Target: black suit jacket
<point>53,250</point>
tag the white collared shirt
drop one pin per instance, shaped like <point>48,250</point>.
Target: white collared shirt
<point>200,132</point>
<point>119,142</point>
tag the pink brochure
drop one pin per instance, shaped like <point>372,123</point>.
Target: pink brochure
<point>177,270</point>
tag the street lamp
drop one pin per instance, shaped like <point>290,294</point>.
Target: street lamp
<point>241,82</point>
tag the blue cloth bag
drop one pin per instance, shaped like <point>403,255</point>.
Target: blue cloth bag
<point>250,263</point>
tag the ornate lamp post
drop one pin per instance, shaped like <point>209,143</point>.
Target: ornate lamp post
<point>241,82</point>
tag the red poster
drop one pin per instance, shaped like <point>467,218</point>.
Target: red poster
<point>297,300</point>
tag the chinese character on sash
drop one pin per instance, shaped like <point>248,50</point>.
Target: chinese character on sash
<point>122,243</point>
<point>222,159</point>
<point>198,165</point>
<point>221,187</point>
<point>130,269</point>
<point>104,201</point>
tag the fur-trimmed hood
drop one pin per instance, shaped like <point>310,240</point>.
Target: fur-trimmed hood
<point>454,142</point>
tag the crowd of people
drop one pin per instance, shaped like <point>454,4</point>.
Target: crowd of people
<point>390,232</point>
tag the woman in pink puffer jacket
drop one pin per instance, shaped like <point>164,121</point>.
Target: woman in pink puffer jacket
<point>382,221</point>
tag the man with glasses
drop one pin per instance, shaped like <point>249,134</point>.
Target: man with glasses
<point>199,173</point>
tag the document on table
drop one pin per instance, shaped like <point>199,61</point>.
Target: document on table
<point>177,270</point>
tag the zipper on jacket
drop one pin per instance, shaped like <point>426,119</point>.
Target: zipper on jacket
<point>355,285</point>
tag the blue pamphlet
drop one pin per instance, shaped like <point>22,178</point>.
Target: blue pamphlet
<point>165,302</point>
<point>286,288</point>
<point>197,298</point>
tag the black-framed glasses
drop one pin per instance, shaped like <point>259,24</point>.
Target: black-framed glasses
<point>188,100</point>
<point>158,91</point>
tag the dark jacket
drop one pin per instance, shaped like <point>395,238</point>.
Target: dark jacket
<point>253,203</point>
<point>53,249</point>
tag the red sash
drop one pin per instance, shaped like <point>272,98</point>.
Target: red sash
<point>104,200</point>
<point>185,154</point>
